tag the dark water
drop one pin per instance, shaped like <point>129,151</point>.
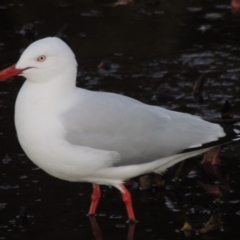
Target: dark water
<point>157,50</point>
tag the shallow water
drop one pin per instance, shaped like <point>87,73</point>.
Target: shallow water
<point>156,50</point>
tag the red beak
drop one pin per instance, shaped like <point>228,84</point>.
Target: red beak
<point>10,72</point>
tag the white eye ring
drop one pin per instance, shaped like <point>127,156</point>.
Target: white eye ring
<point>41,58</point>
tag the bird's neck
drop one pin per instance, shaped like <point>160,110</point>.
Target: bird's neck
<point>48,94</point>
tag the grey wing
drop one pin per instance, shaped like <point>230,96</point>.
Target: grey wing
<point>138,132</point>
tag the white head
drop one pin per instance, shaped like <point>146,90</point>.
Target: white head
<point>44,60</point>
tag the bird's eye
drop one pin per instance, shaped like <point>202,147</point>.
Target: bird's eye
<point>41,58</point>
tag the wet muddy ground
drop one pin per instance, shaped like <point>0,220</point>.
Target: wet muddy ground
<point>153,51</point>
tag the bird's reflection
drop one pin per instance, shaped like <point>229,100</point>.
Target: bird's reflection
<point>97,233</point>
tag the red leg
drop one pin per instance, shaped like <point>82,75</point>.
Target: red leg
<point>126,197</point>
<point>96,194</point>
<point>211,156</point>
<point>216,155</point>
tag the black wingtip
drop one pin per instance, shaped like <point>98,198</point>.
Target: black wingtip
<point>232,134</point>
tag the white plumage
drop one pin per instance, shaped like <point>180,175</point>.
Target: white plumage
<point>103,138</point>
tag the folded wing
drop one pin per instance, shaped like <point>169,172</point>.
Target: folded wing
<point>140,133</point>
